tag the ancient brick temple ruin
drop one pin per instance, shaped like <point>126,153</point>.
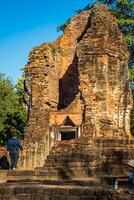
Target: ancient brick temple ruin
<point>78,99</point>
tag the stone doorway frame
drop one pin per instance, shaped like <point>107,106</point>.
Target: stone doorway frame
<point>66,129</point>
<point>54,134</point>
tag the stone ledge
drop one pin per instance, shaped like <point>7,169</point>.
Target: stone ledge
<point>62,192</point>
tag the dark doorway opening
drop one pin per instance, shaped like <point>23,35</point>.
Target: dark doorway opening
<point>68,135</point>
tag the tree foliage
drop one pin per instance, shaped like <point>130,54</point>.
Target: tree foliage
<point>63,26</point>
<point>12,113</point>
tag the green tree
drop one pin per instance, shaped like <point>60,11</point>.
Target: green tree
<point>63,26</point>
<point>131,74</point>
<point>12,113</point>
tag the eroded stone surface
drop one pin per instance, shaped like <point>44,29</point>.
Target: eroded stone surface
<point>68,192</point>
<point>83,75</point>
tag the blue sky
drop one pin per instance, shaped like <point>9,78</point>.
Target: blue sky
<point>28,23</point>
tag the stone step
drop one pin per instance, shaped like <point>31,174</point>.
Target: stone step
<point>87,182</point>
<point>69,165</point>
<point>43,174</point>
<point>53,175</point>
<point>64,149</point>
<point>70,156</point>
<point>73,163</point>
<point>65,160</point>
<point>72,190</point>
<point>74,172</point>
<point>71,159</point>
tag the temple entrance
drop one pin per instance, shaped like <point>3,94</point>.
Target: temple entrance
<point>65,130</point>
<point>68,135</point>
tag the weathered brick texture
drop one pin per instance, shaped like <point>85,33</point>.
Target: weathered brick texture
<point>82,75</point>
